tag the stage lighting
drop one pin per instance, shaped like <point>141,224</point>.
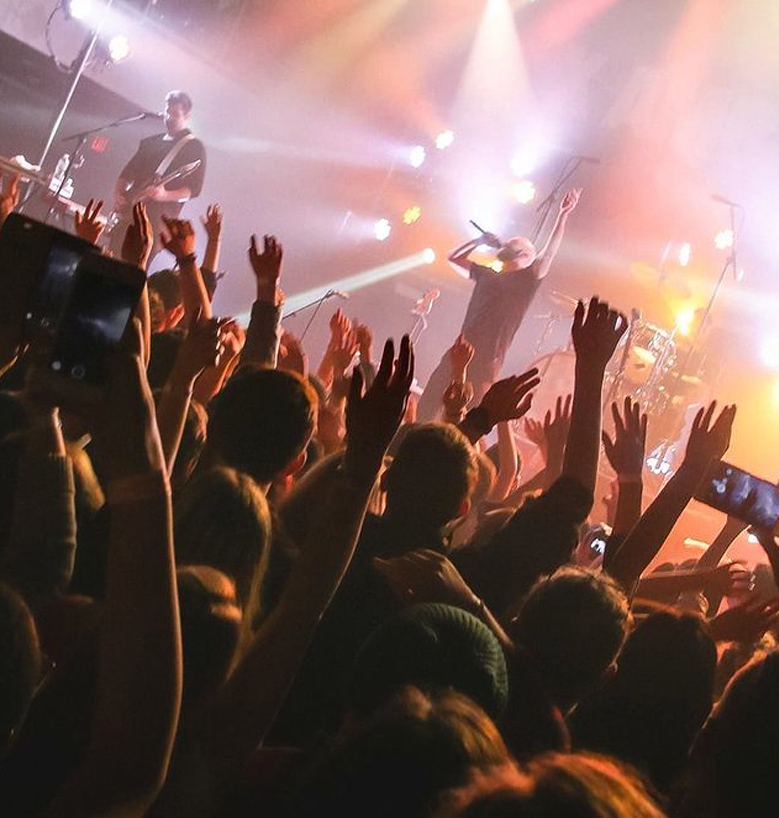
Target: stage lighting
<point>412,214</point>
<point>118,48</point>
<point>684,319</point>
<point>769,353</point>
<point>522,165</point>
<point>724,239</point>
<point>685,252</point>
<point>382,229</point>
<point>524,191</point>
<point>497,266</point>
<point>78,9</point>
<point>428,255</point>
<point>416,156</point>
<point>444,140</point>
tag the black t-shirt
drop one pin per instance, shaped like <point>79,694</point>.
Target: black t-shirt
<point>496,309</point>
<point>151,151</point>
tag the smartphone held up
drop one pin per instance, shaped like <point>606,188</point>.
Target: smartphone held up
<point>741,495</point>
<point>77,304</point>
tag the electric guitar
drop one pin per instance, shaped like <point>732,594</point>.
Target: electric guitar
<point>135,192</point>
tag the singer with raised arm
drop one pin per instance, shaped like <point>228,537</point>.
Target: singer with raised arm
<point>498,304</point>
<point>166,171</point>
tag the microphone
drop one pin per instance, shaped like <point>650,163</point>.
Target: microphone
<point>152,115</point>
<point>715,197</point>
<point>485,233</point>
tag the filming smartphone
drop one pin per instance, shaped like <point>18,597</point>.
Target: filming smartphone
<point>741,495</point>
<point>99,306</point>
<point>39,262</point>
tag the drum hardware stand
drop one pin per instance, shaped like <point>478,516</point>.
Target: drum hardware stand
<point>619,377</point>
<point>729,264</point>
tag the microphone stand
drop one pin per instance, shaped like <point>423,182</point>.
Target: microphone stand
<point>317,303</point>
<point>572,164</point>
<point>729,264</point>
<point>76,156</point>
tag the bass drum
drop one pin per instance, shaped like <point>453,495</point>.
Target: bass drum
<point>556,371</point>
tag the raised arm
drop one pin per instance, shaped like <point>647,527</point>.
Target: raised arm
<point>87,224</point>
<point>626,456</point>
<point>252,696</point>
<point>178,238</point>
<point>212,224</point>
<point>547,254</point>
<point>596,333</point>
<point>199,350</point>
<point>708,442</point>
<point>136,249</point>
<point>460,255</point>
<point>139,668</point>
<point>263,334</point>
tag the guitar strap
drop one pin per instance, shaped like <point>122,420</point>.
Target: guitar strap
<point>170,156</point>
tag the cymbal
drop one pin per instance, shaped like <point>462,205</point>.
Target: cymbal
<point>559,299</point>
<point>668,284</point>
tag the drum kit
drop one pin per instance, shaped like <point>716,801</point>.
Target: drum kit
<point>649,365</point>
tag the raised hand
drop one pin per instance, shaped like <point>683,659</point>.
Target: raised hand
<point>570,200</point>
<point>745,623</point>
<point>426,576</point>
<point>202,348</point>
<point>178,238</point>
<point>9,196</point>
<point>138,239</point>
<point>596,332</point>
<point>510,398</point>
<point>339,326</point>
<point>87,225</point>
<point>364,336</point>
<point>708,441</point>
<point>460,355</point>
<point>212,222</point>
<point>456,399</point>
<point>373,418</point>
<point>292,357</point>
<point>131,438</point>
<point>343,351</point>
<point>266,265</point>
<point>626,452</point>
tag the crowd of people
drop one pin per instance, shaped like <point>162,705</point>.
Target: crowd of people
<point>245,587</point>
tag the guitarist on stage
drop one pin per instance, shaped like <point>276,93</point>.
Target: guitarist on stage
<point>157,157</point>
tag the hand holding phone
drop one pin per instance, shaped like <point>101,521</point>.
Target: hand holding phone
<point>741,495</point>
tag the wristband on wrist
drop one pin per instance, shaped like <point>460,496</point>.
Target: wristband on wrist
<point>137,487</point>
<point>190,258</point>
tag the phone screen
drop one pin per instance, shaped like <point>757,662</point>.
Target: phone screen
<point>741,495</point>
<point>92,325</point>
<point>53,286</point>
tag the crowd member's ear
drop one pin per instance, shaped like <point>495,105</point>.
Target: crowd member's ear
<point>175,316</point>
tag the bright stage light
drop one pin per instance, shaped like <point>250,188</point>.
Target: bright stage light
<point>522,164</point>
<point>416,156</point>
<point>382,229</point>
<point>684,319</point>
<point>524,191</point>
<point>769,352</point>
<point>119,48</point>
<point>357,281</point>
<point>412,214</point>
<point>685,253</point>
<point>78,9</point>
<point>724,239</point>
<point>444,140</point>
<point>497,266</point>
